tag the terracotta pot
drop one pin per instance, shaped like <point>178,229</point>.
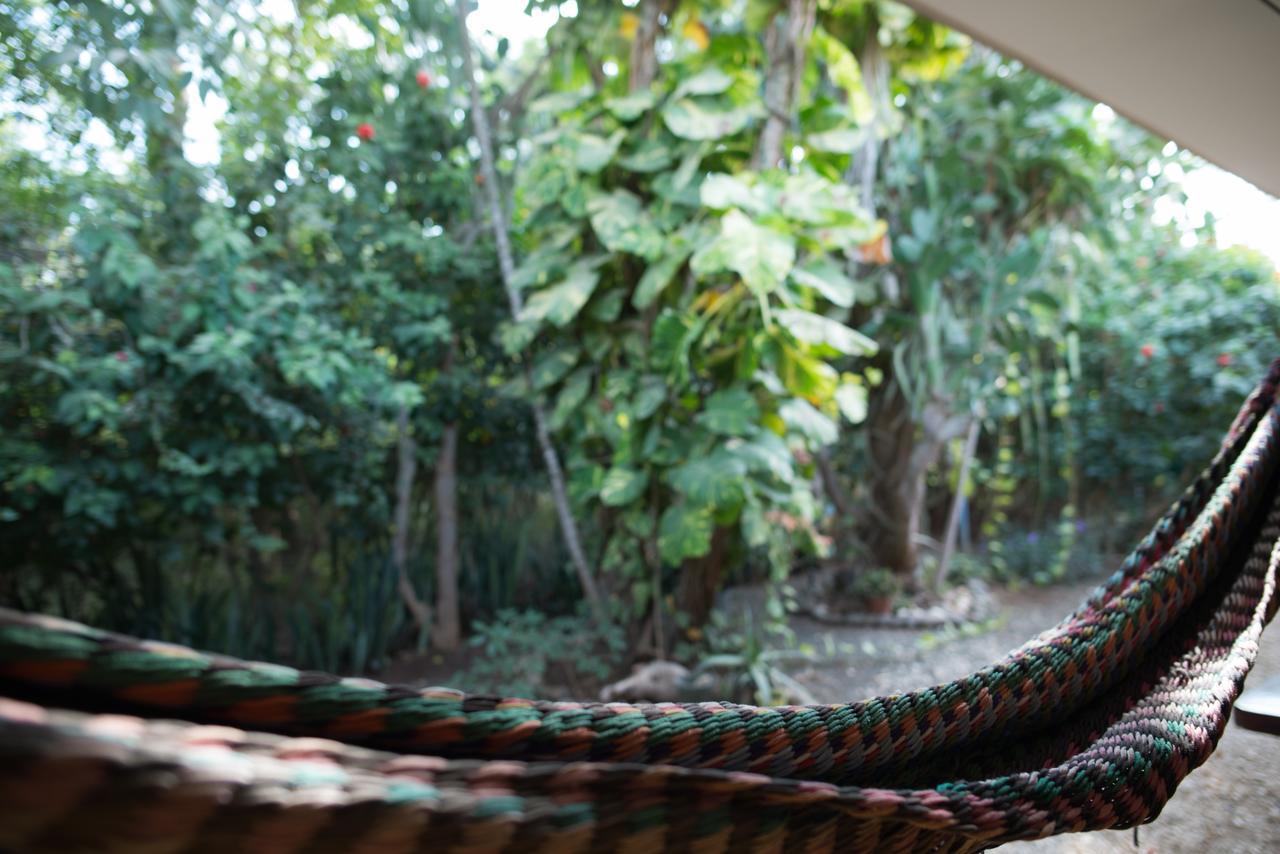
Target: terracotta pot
<point>879,604</point>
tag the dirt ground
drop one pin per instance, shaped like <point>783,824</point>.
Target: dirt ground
<point>1230,804</point>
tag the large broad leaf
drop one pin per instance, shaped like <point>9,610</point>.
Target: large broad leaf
<point>802,417</point>
<point>651,394</point>
<point>828,281</point>
<point>730,412</point>
<point>684,532</point>
<point>811,198</point>
<point>708,81</point>
<point>715,481</point>
<point>806,375</point>
<point>852,400</point>
<point>843,69</point>
<point>766,453</point>
<point>622,485</point>
<point>550,368</point>
<point>837,140</point>
<point>816,329</point>
<point>761,256</point>
<point>689,119</point>
<point>658,274</point>
<point>575,391</point>
<point>592,153</point>
<point>622,224</point>
<point>722,191</point>
<point>648,157</point>
<point>630,107</point>
<point>562,302</point>
<point>559,103</point>
<point>672,335</point>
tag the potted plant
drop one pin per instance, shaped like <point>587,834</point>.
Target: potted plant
<point>876,588</point>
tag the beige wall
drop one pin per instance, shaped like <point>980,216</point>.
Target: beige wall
<point>1205,73</point>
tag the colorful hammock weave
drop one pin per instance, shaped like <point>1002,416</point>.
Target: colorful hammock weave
<point>1091,725</point>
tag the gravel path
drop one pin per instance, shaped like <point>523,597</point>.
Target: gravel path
<point>1230,804</point>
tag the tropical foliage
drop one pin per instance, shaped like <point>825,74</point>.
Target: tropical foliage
<point>795,282</point>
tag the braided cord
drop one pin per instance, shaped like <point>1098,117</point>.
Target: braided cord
<point>1090,725</point>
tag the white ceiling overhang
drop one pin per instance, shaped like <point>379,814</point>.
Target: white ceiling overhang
<point>1204,73</point>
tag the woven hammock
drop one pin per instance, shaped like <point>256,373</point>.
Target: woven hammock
<point>1091,725</point>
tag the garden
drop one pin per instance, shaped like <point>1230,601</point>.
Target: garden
<point>525,366</point>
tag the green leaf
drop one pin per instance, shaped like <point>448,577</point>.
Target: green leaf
<point>562,302</point>
<point>672,334</point>
<point>767,453</point>
<point>622,224</point>
<point>708,81</point>
<point>837,140</point>
<point>630,107</point>
<point>816,329</point>
<point>828,281</point>
<point>730,412</point>
<point>575,391</point>
<point>815,427</point>
<point>622,485</point>
<point>720,191</point>
<point>715,482</point>
<point>649,157</point>
<point>607,308</point>
<point>684,532</point>
<point>923,223</point>
<point>852,400</point>
<point>559,103</point>
<point>688,119</point>
<point>592,153</point>
<point>844,71</point>
<point>653,391</point>
<point>761,256</point>
<point>550,368</point>
<point>658,274</point>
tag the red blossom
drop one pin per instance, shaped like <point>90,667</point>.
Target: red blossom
<point>364,130</point>
<point>122,356</point>
<point>1148,351</point>
<point>423,78</point>
<point>1224,360</point>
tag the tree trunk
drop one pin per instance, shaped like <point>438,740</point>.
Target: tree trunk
<point>700,580</point>
<point>447,631</point>
<point>902,450</point>
<point>785,41</point>
<point>644,53</point>
<point>506,265</point>
<point>406,469</point>
<point>957,505</point>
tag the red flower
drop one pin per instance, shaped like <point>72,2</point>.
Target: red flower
<point>1148,351</point>
<point>1158,409</point>
<point>1224,360</point>
<point>423,78</point>
<point>364,130</point>
<point>122,356</point>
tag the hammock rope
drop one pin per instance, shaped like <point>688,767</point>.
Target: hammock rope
<point>1091,725</point>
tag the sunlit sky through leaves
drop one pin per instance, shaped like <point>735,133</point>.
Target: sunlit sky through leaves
<point>1245,215</point>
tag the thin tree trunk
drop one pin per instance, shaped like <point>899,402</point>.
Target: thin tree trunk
<point>874,67</point>
<point>700,579</point>
<point>506,265</point>
<point>447,631</point>
<point>901,453</point>
<point>957,505</point>
<point>785,41</point>
<point>406,469</point>
<point>644,52</point>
